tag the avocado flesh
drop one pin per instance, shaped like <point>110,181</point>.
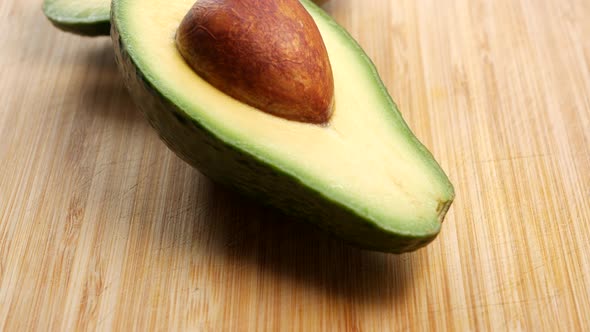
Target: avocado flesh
<point>364,177</point>
<point>82,17</point>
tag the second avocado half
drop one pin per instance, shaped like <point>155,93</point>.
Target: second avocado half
<point>81,17</point>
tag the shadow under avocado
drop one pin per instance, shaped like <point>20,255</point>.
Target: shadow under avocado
<point>103,89</point>
<point>280,246</point>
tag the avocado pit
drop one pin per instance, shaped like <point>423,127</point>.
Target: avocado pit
<point>267,54</point>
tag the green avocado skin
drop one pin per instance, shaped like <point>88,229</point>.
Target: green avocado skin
<point>245,173</point>
<point>90,29</point>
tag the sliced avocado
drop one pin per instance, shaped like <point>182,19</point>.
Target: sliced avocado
<point>363,177</point>
<point>82,17</point>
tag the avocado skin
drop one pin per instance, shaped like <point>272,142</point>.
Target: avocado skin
<point>243,172</point>
<point>90,29</point>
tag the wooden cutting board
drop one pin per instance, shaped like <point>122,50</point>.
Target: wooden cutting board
<point>102,227</point>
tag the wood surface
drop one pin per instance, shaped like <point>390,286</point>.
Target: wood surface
<point>102,227</point>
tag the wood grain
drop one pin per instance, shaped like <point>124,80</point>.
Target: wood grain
<point>101,227</point>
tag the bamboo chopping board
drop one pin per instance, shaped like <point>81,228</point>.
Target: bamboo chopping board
<point>102,227</point>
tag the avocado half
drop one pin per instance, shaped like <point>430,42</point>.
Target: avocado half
<point>81,17</point>
<point>364,177</point>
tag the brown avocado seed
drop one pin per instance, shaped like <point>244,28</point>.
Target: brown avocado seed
<point>266,53</point>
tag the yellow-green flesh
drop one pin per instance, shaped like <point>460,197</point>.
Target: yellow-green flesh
<point>366,158</point>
